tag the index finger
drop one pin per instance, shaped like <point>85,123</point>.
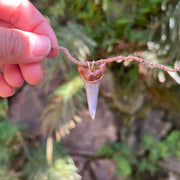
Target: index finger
<point>23,15</point>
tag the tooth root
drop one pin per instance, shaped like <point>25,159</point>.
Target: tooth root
<point>92,91</point>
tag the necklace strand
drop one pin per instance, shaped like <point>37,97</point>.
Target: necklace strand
<point>117,59</point>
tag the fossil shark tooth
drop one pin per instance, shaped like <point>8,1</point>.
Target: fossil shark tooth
<point>92,79</point>
<point>92,91</point>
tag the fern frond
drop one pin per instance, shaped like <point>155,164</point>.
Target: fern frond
<point>62,166</point>
<point>59,113</point>
<point>165,32</point>
<point>74,37</point>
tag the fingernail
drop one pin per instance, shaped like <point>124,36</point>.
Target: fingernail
<point>40,46</point>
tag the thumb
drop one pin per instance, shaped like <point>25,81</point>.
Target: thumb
<point>18,46</point>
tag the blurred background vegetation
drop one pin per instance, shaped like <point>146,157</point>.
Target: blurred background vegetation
<point>144,103</point>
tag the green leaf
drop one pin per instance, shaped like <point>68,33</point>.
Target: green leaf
<point>174,137</point>
<point>122,165</point>
<point>106,151</point>
<point>148,142</point>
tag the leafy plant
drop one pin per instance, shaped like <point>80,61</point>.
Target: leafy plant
<point>150,162</point>
<point>122,156</point>
<point>11,141</point>
<point>62,167</point>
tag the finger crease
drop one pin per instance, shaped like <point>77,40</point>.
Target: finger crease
<point>15,14</point>
<point>37,25</point>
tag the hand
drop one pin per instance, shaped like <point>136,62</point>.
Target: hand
<point>25,40</point>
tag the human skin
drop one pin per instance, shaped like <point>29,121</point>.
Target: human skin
<point>26,39</point>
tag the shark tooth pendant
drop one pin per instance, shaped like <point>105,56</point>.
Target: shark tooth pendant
<point>92,78</point>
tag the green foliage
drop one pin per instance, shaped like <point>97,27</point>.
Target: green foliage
<point>105,21</point>
<point>131,78</point>
<point>63,106</point>
<point>6,174</point>
<point>154,152</point>
<point>78,10</point>
<point>149,7</point>
<point>11,141</point>
<point>122,156</point>
<point>62,166</point>
<point>74,36</point>
<point>165,31</point>
<point>3,109</point>
<point>157,151</point>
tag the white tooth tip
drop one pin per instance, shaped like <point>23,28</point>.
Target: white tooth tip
<point>92,109</point>
<point>92,114</point>
<point>92,90</point>
<point>92,117</point>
